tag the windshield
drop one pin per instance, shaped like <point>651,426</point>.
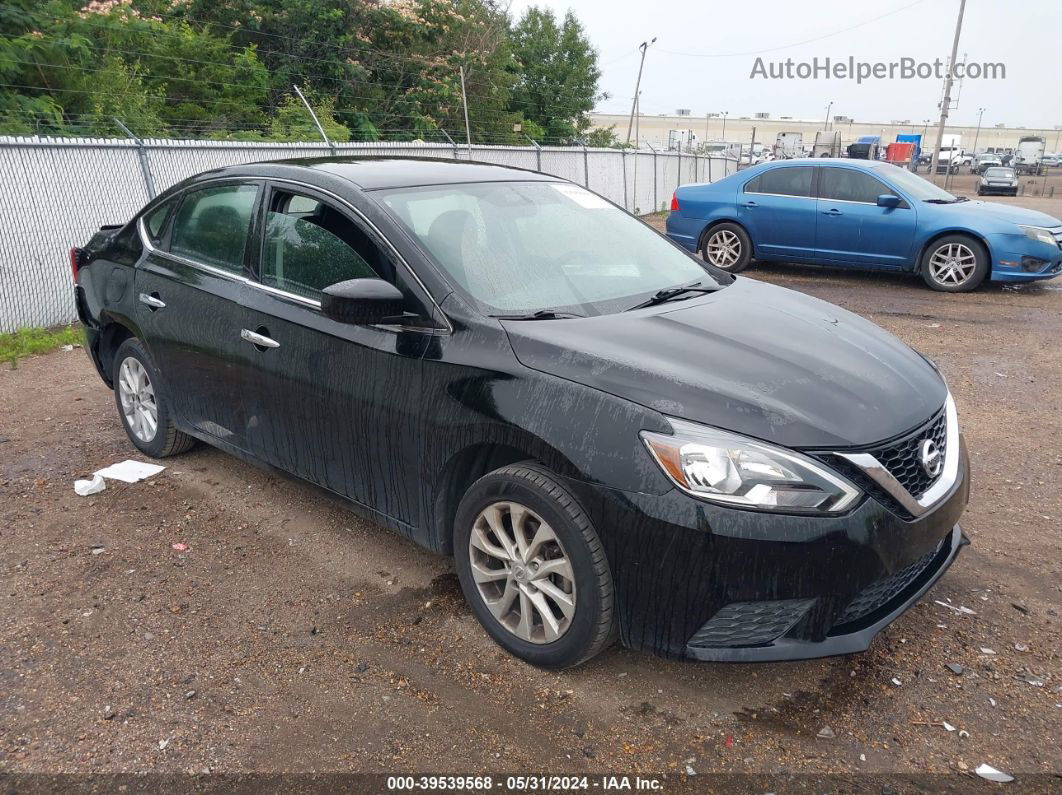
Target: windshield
<point>517,248</point>
<point>913,185</point>
<point>999,172</point>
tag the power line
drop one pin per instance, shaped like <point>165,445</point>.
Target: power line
<point>794,44</point>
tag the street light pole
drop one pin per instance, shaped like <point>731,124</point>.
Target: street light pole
<point>946,102</point>
<point>644,46</point>
<point>725,114</point>
<point>826,125</point>
<point>977,132</point>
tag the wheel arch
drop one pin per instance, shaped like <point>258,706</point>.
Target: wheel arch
<point>979,238</point>
<point>714,222</point>
<point>471,463</point>
<point>112,334</point>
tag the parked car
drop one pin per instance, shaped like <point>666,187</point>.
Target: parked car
<point>986,161</point>
<point>1051,161</point>
<point>998,180</point>
<point>863,214</point>
<point>611,437</point>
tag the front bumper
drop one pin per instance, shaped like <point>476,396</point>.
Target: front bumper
<point>1016,258</point>
<point>699,581</point>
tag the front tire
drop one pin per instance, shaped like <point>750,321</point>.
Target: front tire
<point>533,569</point>
<point>727,247</point>
<point>143,405</point>
<point>955,264</point>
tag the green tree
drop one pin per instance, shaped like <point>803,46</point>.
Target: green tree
<point>292,122</point>
<point>556,73</point>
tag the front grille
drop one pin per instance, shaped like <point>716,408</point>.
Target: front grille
<point>1057,236</point>
<point>750,623</point>
<point>904,459</point>
<point>886,589</point>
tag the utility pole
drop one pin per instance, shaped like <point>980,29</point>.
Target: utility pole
<point>826,124</point>
<point>464,102</point>
<point>977,133</point>
<point>725,114</point>
<point>946,101</point>
<point>645,45</point>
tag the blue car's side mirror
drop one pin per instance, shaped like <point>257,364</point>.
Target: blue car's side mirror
<point>888,200</point>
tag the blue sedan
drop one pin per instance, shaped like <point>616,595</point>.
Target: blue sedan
<point>863,214</point>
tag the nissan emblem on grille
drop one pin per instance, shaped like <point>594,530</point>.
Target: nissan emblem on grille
<point>932,461</point>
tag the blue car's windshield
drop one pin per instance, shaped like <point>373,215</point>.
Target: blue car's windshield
<point>913,185</point>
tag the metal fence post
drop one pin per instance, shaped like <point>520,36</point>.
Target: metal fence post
<point>141,152</point>
<point>451,140</point>
<point>623,164</point>
<point>678,180</point>
<point>586,168</point>
<point>538,153</point>
<point>316,121</point>
<point>656,198</point>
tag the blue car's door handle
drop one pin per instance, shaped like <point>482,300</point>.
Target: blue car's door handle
<point>751,204</point>
<point>832,211</point>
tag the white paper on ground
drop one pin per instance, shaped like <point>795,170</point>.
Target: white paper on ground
<point>130,471</point>
<point>83,488</point>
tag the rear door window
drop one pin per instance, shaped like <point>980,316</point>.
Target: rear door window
<point>849,185</point>
<point>212,225</point>
<point>789,181</point>
<point>155,221</point>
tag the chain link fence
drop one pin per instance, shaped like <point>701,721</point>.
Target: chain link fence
<point>58,192</point>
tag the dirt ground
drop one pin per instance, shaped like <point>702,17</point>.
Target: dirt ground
<point>292,636</point>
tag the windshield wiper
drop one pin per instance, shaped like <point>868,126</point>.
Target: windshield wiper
<point>670,293</point>
<point>541,314</point>
<point>954,200</point>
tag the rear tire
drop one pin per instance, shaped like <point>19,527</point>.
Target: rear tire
<point>727,247</point>
<point>143,404</point>
<point>533,569</point>
<point>954,264</point>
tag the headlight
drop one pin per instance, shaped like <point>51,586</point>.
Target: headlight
<point>724,467</point>
<point>1039,233</point>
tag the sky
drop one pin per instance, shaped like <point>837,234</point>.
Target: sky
<point>706,51</point>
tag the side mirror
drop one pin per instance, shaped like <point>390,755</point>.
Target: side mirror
<point>362,302</point>
<point>888,200</point>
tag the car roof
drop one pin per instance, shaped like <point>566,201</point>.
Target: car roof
<point>829,161</point>
<point>372,173</point>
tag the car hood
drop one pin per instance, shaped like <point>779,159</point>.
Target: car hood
<point>751,358</point>
<point>1001,212</point>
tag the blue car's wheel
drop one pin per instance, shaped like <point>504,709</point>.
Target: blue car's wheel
<point>727,247</point>
<point>955,264</point>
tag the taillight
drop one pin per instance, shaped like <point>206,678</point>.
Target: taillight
<point>674,202</point>
<point>75,256</point>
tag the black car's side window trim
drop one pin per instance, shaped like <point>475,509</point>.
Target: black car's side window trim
<point>375,235</point>
<point>253,247</point>
<point>161,248</point>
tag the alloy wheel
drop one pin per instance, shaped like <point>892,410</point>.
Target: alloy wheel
<point>138,399</point>
<point>723,249</point>
<point>522,572</point>
<point>952,265</point>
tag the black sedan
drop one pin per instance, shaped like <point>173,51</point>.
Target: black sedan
<point>612,438</point>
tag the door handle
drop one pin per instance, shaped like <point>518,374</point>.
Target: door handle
<point>832,211</point>
<point>152,301</point>
<point>260,340</point>
<point>751,204</point>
